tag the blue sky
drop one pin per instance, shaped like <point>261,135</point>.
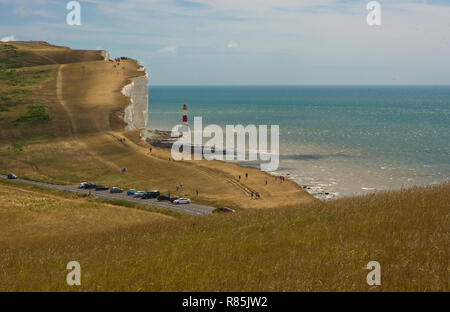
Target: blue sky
<point>241,42</point>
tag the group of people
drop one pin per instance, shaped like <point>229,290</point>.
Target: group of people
<point>117,60</point>
<point>255,195</point>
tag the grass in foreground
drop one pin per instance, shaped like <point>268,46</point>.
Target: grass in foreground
<point>319,247</point>
<point>29,212</point>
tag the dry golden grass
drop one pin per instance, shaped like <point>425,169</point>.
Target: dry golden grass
<point>318,247</point>
<point>28,213</point>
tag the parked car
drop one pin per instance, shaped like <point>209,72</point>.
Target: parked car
<point>182,200</point>
<point>139,194</point>
<point>101,188</point>
<point>229,210</point>
<point>163,197</point>
<point>173,198</point>
<point>151,194</point>
<point>12,176</point>
<point>131,192</point>
<point>87,185</point>
<point>115,190</point>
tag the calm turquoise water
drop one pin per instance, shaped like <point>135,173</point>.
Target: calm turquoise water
<point>344,140</point>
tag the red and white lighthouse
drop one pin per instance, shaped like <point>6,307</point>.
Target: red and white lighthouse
<point>185,118</point>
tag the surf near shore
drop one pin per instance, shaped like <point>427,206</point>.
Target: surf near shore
<point>163,139</point>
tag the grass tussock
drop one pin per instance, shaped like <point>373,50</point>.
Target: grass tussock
<point>317,247</point>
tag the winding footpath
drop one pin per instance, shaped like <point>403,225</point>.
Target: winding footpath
<point>191,209</point>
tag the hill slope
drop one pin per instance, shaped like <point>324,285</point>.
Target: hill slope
<point>317,247</point>
<point>65,125</point>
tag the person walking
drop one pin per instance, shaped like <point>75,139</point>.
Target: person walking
<point>267,181</point>
<point>176,187</point>
<point>252,194</point>
<point>196,191</point>
<point>239,178</point>
<point>246,176</point>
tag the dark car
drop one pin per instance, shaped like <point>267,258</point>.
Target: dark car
<point>164,197</point>
<point>116,190</point>
<point>173,198</point>
<point>87,185</point>
<point>151,194</point>
<point>101,188</point>
<point>12,176</point>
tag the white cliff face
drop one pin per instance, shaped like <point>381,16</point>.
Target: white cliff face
<point>105,54</point>
<point>136,114</point>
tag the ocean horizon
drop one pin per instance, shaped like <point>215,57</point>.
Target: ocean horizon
<point>338,140</point>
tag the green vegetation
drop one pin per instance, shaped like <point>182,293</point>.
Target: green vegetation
<point>24,77</point>
<point>8,54</point>
<point>12,98</point>
<point>36,114</point>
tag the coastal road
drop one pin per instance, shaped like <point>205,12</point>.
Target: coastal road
<point>191,209</point>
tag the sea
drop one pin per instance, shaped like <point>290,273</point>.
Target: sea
<point>335,141</point>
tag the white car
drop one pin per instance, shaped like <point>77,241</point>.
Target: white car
<point>81,185</point>
<point>139,194</point>
<point>182,201</point>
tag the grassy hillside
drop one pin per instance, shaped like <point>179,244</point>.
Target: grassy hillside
<point>63,124</point>
<point>316,247</point>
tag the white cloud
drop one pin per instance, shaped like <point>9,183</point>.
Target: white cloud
<point>168,49</point>
<point>8,38</point>
<point>23,11</point>
<point>232,44</point>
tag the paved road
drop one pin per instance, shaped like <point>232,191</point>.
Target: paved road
<point>192,209</point>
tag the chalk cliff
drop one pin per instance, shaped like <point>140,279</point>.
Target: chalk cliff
<point>136,114</point>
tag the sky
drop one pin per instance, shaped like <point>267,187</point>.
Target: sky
<point>252,42</point>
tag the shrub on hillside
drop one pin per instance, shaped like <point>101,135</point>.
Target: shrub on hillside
<point>36,114</point>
